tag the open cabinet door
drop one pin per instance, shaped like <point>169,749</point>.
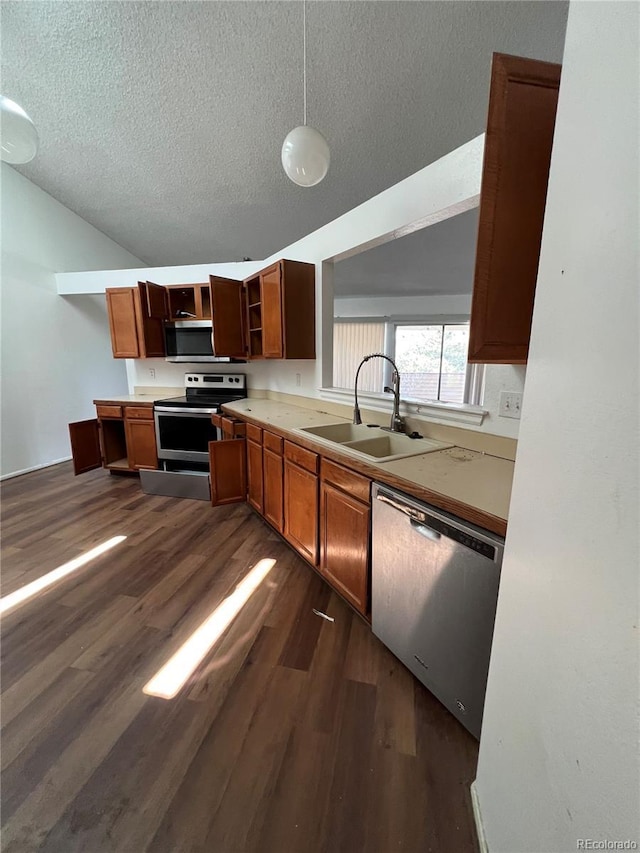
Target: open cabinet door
<point>151,328</point>
<point>85,446</point>
<point>157,301</point>
<point>227,307</point>
<point>228,471</point>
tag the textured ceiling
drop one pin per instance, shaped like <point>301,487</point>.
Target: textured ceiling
<point>161,123</point>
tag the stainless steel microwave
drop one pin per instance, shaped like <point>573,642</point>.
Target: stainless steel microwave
<point>190,341</point>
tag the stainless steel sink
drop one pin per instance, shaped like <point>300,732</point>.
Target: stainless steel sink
<point>371,443</point>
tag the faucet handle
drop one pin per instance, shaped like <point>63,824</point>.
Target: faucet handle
<point>388,390</point>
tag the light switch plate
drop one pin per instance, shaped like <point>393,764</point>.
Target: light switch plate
<point>510,404</point>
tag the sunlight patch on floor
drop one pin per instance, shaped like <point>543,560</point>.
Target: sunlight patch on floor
<point>29,590</point>
<point>169,680</point>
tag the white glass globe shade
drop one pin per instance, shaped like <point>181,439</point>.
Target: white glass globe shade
<point>305,156</point>
<point>17,132</point>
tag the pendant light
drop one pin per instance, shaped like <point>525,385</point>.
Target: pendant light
<point>18,133</point>
<point>305,152</point>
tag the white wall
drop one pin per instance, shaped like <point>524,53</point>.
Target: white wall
<point>559,750</point>
<point>279,376</point>
<point>56,354</point>
<point>406,306</point>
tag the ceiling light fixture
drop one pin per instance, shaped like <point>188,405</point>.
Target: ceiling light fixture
<point>305,152</point>
<point>18,133</point>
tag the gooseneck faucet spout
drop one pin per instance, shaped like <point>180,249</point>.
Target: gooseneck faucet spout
<point>397,424</point>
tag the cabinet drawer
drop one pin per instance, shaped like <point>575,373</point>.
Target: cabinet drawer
<point>232,427</point>
<point>139,413</point>
<point>304,458</point>
<point>216,420</point>
<point>254,433</point>
<point>272,442</point>
<point>109,411</point>
<point>342,478</point>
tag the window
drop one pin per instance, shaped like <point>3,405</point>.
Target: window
<point>431,358</point>
<point>432,361</point>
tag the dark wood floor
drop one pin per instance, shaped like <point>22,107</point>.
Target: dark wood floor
<point>294,734</point>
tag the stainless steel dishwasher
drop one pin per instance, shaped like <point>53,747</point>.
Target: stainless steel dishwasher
<point>435,585</point>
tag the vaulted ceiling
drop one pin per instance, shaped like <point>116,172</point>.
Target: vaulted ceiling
<point>161,123</point>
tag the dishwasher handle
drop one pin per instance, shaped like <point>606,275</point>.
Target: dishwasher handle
<point>418,518</point>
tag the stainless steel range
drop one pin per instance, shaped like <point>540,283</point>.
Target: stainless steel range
<point>184,430</point>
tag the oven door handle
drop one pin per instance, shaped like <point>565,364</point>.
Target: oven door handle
<point>185,411</point>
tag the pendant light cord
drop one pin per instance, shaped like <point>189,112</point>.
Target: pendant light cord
<point>304,59</point>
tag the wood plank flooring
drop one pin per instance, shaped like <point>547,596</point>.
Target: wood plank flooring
<point>294,735</point>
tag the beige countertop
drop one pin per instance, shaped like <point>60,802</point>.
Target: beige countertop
<point>139,399</point>
<point>456,479</point>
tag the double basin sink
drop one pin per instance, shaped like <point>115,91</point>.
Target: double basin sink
<point>371,442</point>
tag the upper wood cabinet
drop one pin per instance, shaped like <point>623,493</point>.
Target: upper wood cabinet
<point>136,316</point>
<point>189,301</point>
<point>228,317</point>
<point>269,315</point>
<point>522,111</point>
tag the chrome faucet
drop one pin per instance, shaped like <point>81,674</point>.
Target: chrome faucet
<point>397,424</point>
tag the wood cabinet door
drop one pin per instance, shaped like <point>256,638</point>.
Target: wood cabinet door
<point>228,310</point>
<point>344,544</point>
<point>86,451</point>
<point>271,298</point>
<point>228,471</point>
<point>123,325</point>
<point>254,472</point>
<point>157,302</point>
<point>150,326</point>
<point>141,444</point>
<point>301,510</point>
<point>273,488</point>
<point>522,111</point>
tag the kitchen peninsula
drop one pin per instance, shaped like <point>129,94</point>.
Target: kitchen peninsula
<point>467,480</point>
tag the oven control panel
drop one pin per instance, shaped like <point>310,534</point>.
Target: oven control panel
<point>237,381</point>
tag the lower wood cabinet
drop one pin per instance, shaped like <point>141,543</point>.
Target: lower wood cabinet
<point>344,544</point>
<point>301,510</point>
<point>321,508</point>
<point>273,469</point>
<point>122,438</point>
<point>140,438</point>
<point>228,471</point>
<point>254,475</point>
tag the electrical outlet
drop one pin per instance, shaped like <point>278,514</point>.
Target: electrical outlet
<point>510,404</point>
<point>152,372</point>
<point>298,379</point>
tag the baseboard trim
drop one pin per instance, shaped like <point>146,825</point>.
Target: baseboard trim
<point>477,817</point>
<point>34,468</point>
